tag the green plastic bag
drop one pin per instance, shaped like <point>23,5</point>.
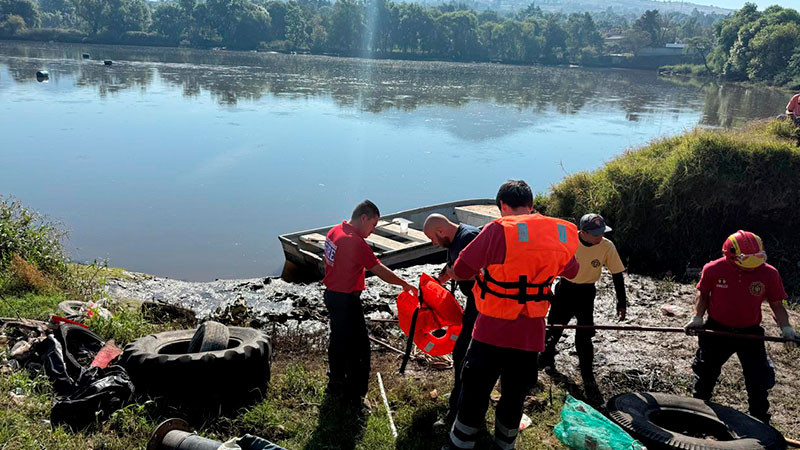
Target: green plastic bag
<point>583,428</point>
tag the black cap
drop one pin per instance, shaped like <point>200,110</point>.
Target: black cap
<point>594,224</point>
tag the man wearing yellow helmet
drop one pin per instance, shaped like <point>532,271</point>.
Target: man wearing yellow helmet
<point>732,289</point>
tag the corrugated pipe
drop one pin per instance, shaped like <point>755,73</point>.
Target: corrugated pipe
<point>174,434</point>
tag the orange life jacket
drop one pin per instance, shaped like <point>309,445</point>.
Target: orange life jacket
<point>537,250</point>
<point>438,320</point>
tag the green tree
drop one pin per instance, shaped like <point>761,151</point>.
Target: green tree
<point>555,40</point>
<point>415,28</point>
<point>460,33</point>
<point>511,40</point>
<point>377,21</point>
<point>582,35</point>
<point>346,30</point>
<point>114,16</point>
<point>772,48</point>
<point>656,25</point>
<point>239,23</point>
<point>297,29</point>
<point>277,12</point>
<point>27,10</point>
<point>318,38</point>
<point>170,19</point>
<point>11,24</point>
<point>700,46</point>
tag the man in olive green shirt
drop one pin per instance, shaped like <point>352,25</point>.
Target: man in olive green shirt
<point>574,297</point>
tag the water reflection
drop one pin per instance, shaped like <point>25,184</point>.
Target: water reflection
<point>189,163</point>
<point>377,86</point>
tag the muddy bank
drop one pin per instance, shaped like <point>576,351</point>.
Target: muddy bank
<point>268,301</point>
<point>624,361</point>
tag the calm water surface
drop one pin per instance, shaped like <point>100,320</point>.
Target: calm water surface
<point>188,164</point>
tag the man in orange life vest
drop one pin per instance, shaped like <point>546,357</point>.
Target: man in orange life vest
<point>346,256</point>
<point>444,233</point>
<point>732,289</point>
<point>515,259</point>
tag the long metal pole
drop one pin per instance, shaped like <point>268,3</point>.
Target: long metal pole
<point>651,329</point>
<point>670,330</point>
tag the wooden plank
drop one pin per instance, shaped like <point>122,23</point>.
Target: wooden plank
<point>314,239</point>
<point>384,243</point>
<point>414,235</point>
<point>477,215</point>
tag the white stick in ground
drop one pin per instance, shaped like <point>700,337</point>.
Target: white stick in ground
<point>386,404</point>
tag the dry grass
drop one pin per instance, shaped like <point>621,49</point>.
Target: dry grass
<point>27,277</point>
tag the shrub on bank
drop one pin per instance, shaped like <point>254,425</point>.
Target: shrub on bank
<point>31,254</point>
<point>673,202</point>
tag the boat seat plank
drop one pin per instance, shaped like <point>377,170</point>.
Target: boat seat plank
<point>414,235</point>
<point>385,243</point>
<point>477,215</point>
<point>314,239</point>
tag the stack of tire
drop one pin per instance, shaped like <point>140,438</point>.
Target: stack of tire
<point>213,365</point>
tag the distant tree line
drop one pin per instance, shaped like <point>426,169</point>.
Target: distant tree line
<point>370,28</point>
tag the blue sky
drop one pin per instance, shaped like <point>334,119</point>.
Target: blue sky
<point>736,4</point>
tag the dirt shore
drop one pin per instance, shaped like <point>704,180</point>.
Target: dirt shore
<point>624,362</point>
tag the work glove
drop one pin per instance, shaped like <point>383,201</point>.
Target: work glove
<point>622,309</point>
<point>789,333</point>
<point>694,325</point>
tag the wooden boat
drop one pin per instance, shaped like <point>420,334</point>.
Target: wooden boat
<point>398,239</point>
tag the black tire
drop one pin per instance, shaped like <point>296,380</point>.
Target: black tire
<point>666,421</point>
<point>160,366</point>
<point>210,336</point>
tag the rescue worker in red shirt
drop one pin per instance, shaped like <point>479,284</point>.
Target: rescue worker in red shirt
<point>732,289</point>
<point>347,255</point>
<point>793,109</point>
<point>515,259</point>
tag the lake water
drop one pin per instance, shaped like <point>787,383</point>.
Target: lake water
<point>188,164</point>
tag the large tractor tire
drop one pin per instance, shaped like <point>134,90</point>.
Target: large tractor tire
<point>666,421</point>
<point>160,366</point>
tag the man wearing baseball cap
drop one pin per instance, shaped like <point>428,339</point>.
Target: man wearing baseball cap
<point>574,297</point>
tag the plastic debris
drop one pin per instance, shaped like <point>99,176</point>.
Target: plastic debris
<point>85,394</point>
<point>108,353</point>
<point>525,422</point>
<point>584,428</point>
<point>20,349</point>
